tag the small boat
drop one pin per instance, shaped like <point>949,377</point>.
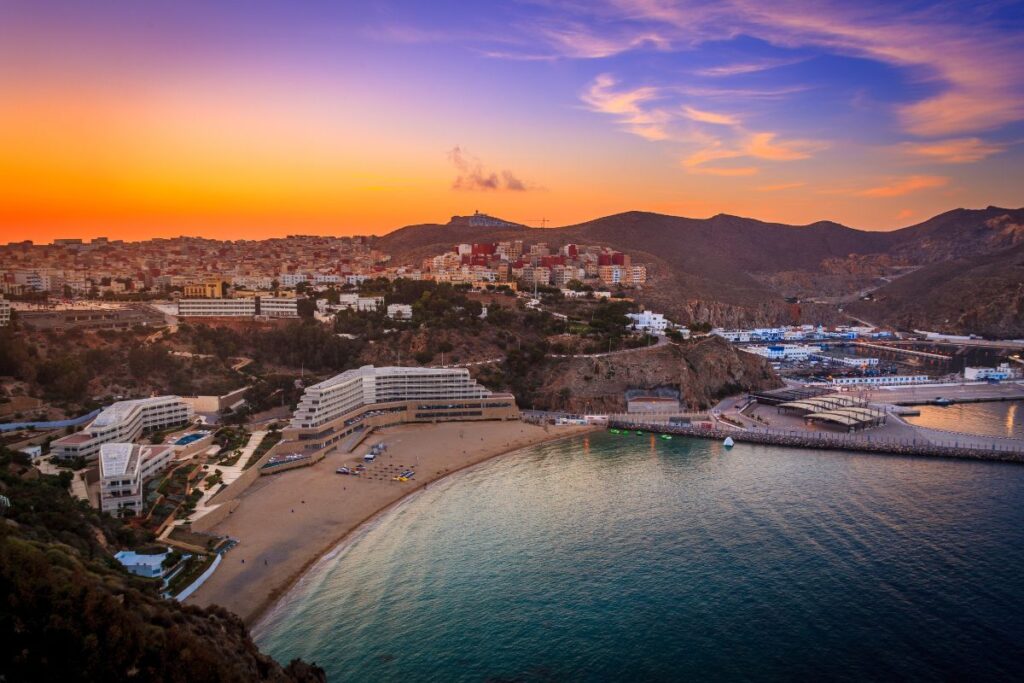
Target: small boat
<point>940,401</point>
<point>343,470</point>
<point>614,431</point>
<point>666,436</point>
<point>639,433</point>
<point>728,443</point>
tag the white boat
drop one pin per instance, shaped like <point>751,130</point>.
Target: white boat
<point>728,443</point>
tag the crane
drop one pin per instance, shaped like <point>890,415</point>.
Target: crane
<point>543,221</point>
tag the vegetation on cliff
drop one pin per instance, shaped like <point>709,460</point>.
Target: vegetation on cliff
<point>71,613</point>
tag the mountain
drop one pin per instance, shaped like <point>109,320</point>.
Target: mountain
<point>734,270</point>
<point>975,295</point>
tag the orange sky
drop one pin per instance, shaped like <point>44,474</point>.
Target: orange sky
<point>203,121</point>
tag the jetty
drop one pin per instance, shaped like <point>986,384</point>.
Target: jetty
<point>925,442</point>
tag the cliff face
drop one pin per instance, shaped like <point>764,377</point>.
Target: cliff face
<point>72,613</point>
<point>703,371</point>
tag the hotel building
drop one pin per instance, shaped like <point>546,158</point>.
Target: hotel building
<point>246,307</point>
<point>123,422</point>
<point>375,397</point>
<point>124,469</point>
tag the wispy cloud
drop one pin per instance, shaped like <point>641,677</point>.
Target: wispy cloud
<point>897,187</point>
<point>710,117</point>
<point>473,176</point>
<point>952,151</point>
<point>779,187</point>
<point>743,68</point>
<point>764,146</point>
<point>973,67</point>
<point>628,106</point>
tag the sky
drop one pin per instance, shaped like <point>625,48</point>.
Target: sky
<point>249,120</point>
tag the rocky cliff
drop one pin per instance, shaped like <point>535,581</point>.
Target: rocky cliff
<point>703,371</point>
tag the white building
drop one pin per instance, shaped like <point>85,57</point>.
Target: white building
<point>217,308</point>
<point>5,312</point>
<point>882,381</point>
<point>123,422</point>
<point>124,470</point>
<point>400,311</point>
<point>292,279</point>
<point>648,321</point>
<point>275,307</point>
<point>784,352</point>
<point>732,335</point>
<point>369,303</point>
<point>150,566</point>
<point>1004,371</point>
<point>245,307</point>
<point>332,398</point>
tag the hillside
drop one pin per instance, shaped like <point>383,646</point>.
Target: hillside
<point>72,613</point>
<point>981,295</point>
<point>733,270</point>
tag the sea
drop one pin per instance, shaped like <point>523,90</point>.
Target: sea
<point>632,557</point>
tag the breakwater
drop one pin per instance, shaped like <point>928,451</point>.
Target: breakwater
<point>1002,452</point>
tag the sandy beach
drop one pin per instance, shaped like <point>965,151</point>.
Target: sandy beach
<point>286,521</point>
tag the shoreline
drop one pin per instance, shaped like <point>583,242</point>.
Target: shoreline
<point>254,608</point>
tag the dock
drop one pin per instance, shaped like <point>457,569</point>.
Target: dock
<point>933,443</point>
<point>929,394</point>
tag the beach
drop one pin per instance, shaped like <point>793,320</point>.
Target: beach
<point>286,521</point>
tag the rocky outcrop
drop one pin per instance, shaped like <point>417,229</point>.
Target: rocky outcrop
<point>703,371</point>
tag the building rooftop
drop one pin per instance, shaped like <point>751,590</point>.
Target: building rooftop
<point>369,370</point>
<point>115,458</point>
<point>117,412</point>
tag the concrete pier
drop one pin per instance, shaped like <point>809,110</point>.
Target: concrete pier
<point>927,442</point>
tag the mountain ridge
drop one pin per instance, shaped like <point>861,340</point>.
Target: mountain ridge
<point>736,270</point>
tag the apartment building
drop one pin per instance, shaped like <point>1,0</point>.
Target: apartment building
<point>277,307</point>
<point>241,307</point>
<point>123,422</point>
<point>217,308</point>
<point>5,312</point>
<point>342,404</point>
<point>124,470</point>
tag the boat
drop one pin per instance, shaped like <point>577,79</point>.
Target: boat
<point>343,470</point>
<point>940,401</point>
<point>666,436</point>
<point>370,457</point>
<point>728,443</point>
<point>614,431</point>
<point>639,433</point>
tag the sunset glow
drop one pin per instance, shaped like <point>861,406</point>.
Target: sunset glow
<point>133,120</point>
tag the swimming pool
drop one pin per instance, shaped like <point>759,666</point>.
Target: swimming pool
<point>190,438</point>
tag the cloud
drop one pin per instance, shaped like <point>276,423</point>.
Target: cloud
<point>952,151</point>
<point>628,106</point>
<point>710,117</point>
<point>779,187</point>
<point>764,145</point>
<point>965,57</point>
<point>727,171</point>
<point>897,187</point>
<point>473,176</point>
<point>745,67</point>
<point>580,42</point>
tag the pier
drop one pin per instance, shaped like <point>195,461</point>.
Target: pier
<point>926,442</point>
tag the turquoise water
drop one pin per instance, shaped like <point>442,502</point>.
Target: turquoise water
<point>632,558</point>
<point>1005,418</point>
